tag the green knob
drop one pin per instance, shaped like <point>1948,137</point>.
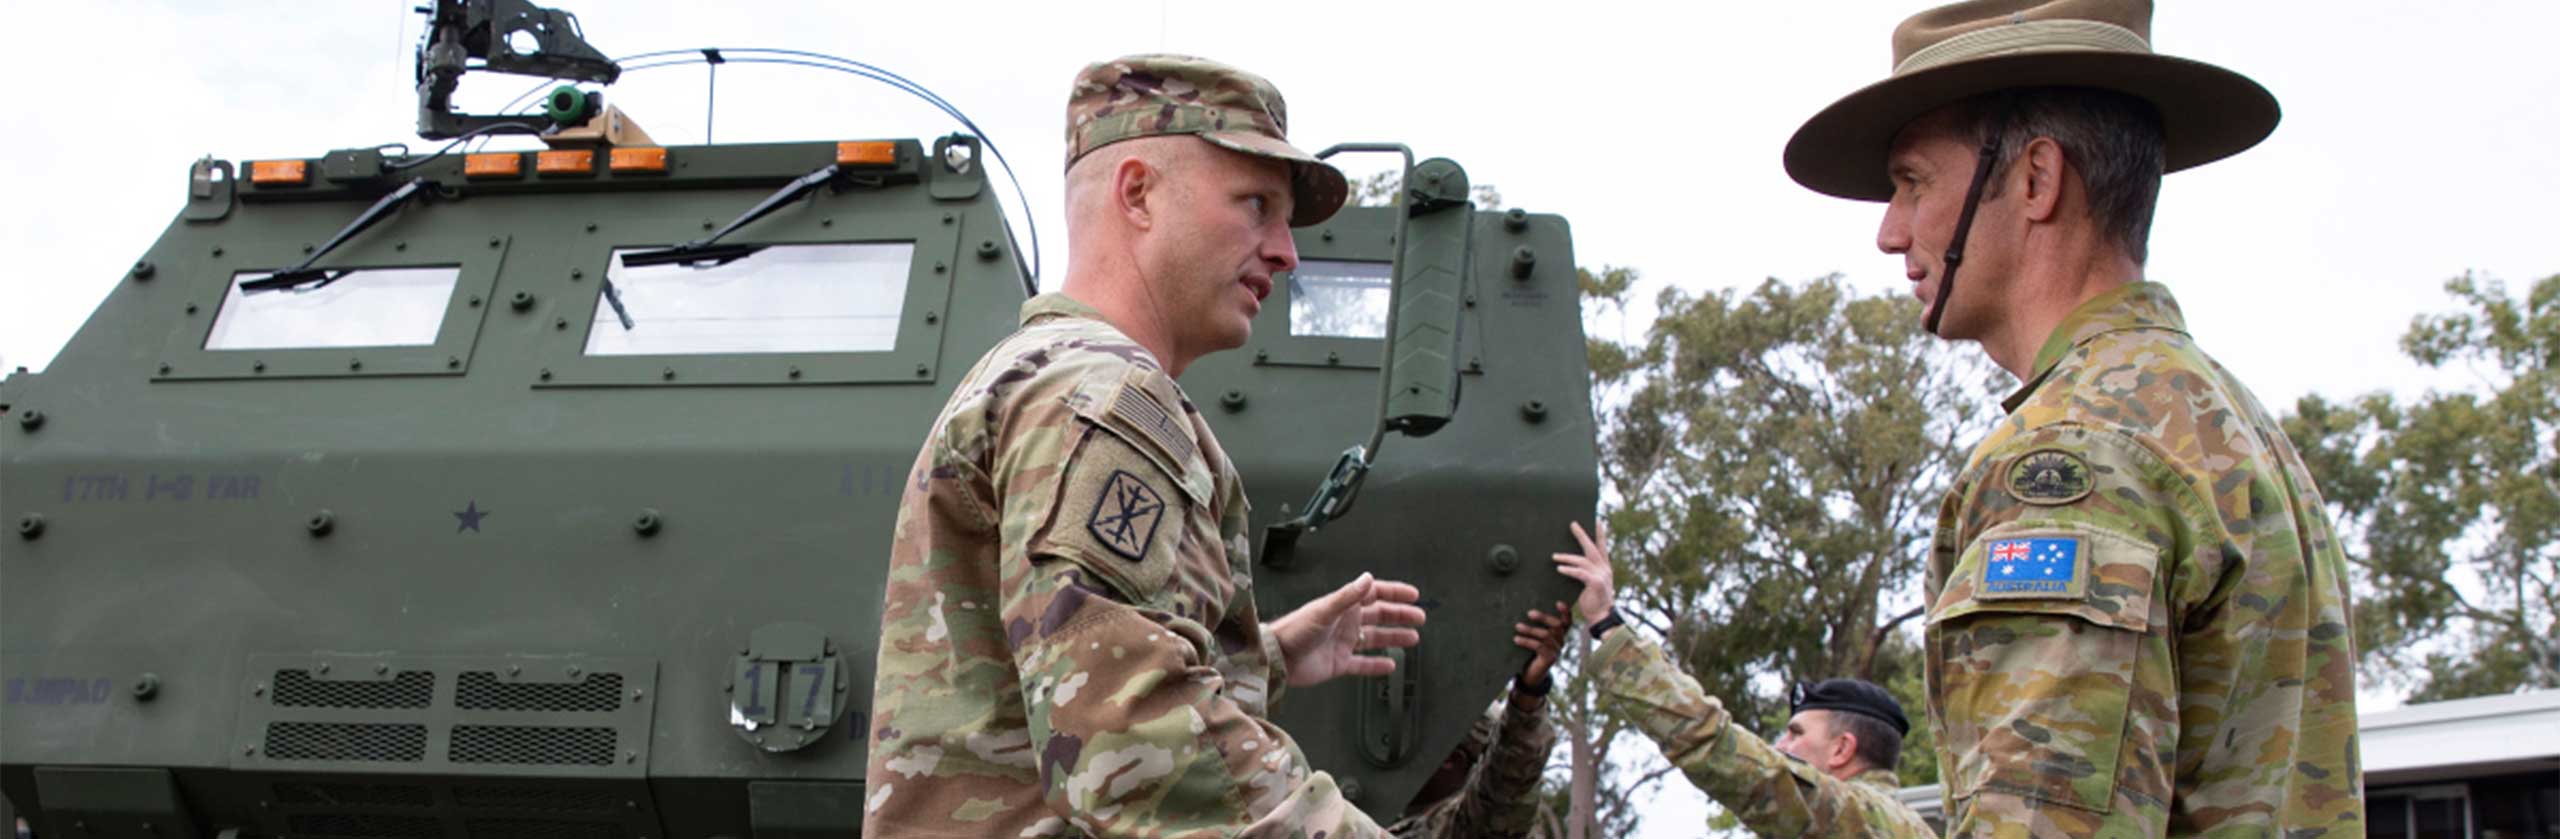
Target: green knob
<point>566,105</point>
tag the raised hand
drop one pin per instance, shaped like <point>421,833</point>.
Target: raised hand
<point>1324,638</point>
<point>1591,568</point>
<point>1543,636</point>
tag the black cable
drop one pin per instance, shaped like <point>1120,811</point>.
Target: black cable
<point>466,137</point>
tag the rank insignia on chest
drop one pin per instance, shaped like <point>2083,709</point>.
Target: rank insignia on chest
<point>2048,477</point>
<point>1126,514</point>
<point>2031,567</point>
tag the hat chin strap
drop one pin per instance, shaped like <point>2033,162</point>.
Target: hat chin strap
<point>1964,221</point>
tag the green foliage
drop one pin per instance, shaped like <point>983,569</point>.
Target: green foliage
<point>2450,503</point>
<point>1775,461</point>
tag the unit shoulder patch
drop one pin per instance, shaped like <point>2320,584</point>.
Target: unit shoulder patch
<point>2049,477</point>
<point>1126,511</point>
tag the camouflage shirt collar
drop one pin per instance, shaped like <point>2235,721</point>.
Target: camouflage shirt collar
<point>2143,305</point>
<point>1882,779</point>
<point>1056,304</point>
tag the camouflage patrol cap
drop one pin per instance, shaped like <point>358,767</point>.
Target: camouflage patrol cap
<point>1149,95</point>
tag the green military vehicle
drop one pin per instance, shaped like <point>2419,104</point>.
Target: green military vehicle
<point>548,493</point>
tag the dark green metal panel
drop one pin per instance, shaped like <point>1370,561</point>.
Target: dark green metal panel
<point>499,506</point>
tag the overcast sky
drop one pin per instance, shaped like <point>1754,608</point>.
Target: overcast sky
<point>2417,140</point>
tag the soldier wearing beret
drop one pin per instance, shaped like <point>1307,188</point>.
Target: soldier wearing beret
<point>1830,774</point>
<point>1069,644</point>
<point>2137,612</point>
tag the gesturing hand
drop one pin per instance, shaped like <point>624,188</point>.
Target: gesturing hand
<point>1543,636</point>
<point>1591,567</point>
<point>1323,638</point>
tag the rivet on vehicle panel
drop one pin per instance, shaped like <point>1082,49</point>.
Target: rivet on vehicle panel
<point>1327,235</point>
<point>826,222</point>
<point>164,368</point>
<point>1260,356</point>
<point>560,323</point>
<point>1523,261</point>
<point>1533,411</point>
<point>380,668</point>
<point>631,757</point>
<point>706,224</point>
<point>792,373</point>
<point>31,526</point>
<point>1504,559</point>
<point>191,308</point>
<point>475,301</point>
<point>574,672</point>
<point>931,318</point>
<point>515,670</point>
<point>923,371</point>
<point>355,364</point>
<point>400,246</point>
<point>1351,789</point>
<point>938,267</point>
<point>307,248</point>
<point>324,668</point>
<point>647,523</point>
<point>668,374</point>
<point>453,362</point>
<point>546,374</point>
<point>1515,219</point>
<point>495,241</point>
<point>638,694</point>
<point>30,419</point>
<point>522,300</point>
<point>576,274</point>
<point>987,249</point>
<point>217,251</point>
<point>630,805</point>
<point>948,218</point>
<point>249,750</point>
<point>320,524</point>
<point>257,367</point>
<point>259,689</point>
<point>144,688</point>
<point>1232,400</point>
<point>1333,358</point>
<point>591,227</point>
<point>144,269</point>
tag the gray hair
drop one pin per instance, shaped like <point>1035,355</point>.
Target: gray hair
<point>2115,140</point>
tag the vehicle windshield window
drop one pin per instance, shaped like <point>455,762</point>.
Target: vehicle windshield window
<point>1339,299</point>
<point>780,299</point>
<point>363,307</point>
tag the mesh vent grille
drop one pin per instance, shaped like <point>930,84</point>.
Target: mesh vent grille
<point>411,689</point>
<point>356,826</point>
<point>480,690</point>
<point>353,795</point>
<point>532,744</point>
<point>548,799</point>
<point>387,742</point>
<point>542,829</point>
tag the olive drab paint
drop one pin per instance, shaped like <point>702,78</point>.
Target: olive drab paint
<point>504,574</point>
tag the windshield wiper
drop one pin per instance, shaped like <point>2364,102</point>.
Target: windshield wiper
<point>303,274</point>
<point>708,250</point>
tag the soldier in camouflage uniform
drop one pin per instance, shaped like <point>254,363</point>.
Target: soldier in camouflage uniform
<point>1831,774</point>
<point>2137,620</point>
<point>1069,644</point>
<point>1487,788</point>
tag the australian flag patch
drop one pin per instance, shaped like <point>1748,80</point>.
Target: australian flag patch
<point>2032,566</point>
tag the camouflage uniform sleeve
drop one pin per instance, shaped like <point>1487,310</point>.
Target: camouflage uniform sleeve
<point>1136,731</point>
<point>1773,794</point>
<point>1500,800</point>
<point>2052,675</point>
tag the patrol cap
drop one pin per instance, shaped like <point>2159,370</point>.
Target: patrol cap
<point>1948,54</point>
<point>1156,94</point>
<point>1850,695</point>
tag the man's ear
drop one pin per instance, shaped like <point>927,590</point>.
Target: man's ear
<point>2040,168</point>
<point>1135,188</point>
<point>1844,748</point>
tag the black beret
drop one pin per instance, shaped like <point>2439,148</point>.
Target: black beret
<point>1851,695</point>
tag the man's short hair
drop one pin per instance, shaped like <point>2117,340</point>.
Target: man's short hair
<point>1879,746</point>
<point>2116,142</point>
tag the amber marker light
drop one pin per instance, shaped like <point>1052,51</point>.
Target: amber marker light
<point>639,160</point>
<point>496,165</point>
<point>280,172</point>
<point>867,153</point>
<point>566,162</point>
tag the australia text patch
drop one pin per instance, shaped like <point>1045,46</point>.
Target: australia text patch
<point>2026,567</point>
<point>1125,515</point>
<point>2049,476</point>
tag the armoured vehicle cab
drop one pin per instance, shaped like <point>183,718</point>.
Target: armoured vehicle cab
<point>548,493</point>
